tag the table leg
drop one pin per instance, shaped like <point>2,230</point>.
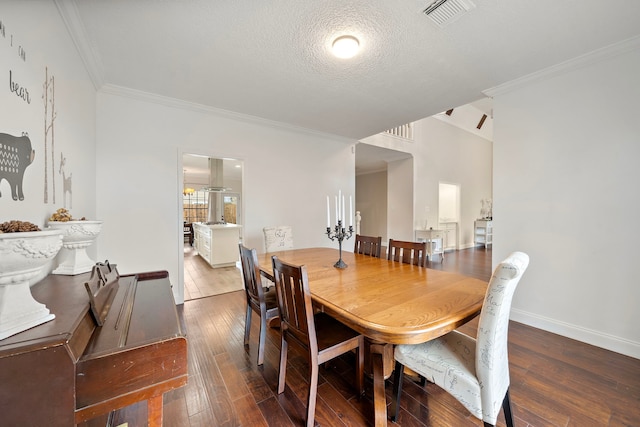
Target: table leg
<point>381,367</point>
<point>154,411</point>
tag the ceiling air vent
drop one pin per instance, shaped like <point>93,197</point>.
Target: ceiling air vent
<point>444,12</point>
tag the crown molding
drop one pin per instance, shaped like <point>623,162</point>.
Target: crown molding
<point>587,59</point>
<point>70,15</point>
<point>219,112</point>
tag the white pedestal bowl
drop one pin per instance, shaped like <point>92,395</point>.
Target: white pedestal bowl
<point>77,236</point>
<point>22,256</point>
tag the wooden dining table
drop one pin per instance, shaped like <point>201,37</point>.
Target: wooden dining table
<point>386,301</point>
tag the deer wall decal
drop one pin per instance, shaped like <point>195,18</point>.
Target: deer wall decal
<point>66,183</point>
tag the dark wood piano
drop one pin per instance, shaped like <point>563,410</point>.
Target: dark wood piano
<point>72,369</point>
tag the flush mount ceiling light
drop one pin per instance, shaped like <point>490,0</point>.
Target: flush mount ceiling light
<point>345,46</point>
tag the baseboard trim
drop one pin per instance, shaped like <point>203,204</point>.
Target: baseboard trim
<point>466,246</point>
<point>589,336</point>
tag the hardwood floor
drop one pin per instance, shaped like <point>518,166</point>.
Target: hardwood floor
<point>201,280</point>
<point>555,381</point>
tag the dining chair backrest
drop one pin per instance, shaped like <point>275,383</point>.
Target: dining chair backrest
<point>407,252</point>
<point>278,238</point>
<point>368,245</point>
<point>258,300</point>
<point>474,371</point>
<point>251,275</point>
<point>492,364</point>
<point>294,301</point>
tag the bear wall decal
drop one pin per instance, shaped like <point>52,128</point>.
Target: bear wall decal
<point>15,155</point>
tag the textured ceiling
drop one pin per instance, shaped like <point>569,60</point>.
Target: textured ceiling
<point>271,59</point>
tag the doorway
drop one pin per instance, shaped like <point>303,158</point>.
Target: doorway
<point>448,202</point>
<point>384,188</point>
<point>212,197</point>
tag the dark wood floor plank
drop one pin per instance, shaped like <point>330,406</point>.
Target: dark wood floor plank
<point>293,406</point>
<point>249,414</point>
<point>204,418</point>
<point>342,408</point>
<point>341,379</point>
<point>432,405</point>
<point>543,406</point>
<point>232,377</point>
<point>274,413</point>
<point>175,407</point>
<point>197,400</point>
<point>219,399</point>
<point>256,384</point>
<point>578,403</point>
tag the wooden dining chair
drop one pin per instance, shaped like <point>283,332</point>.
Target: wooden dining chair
<point>408,252</point>
<point>368,245</point>
<point>264,302</point>
<point>322,336</point>
<point>474,371</point>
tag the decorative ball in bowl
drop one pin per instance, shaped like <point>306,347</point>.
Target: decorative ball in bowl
<point>22,257</point>
<point>76,237</point>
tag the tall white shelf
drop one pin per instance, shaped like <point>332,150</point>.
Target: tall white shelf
<point>483,232</point>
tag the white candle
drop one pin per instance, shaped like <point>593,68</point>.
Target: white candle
<point>350,212</point>
<point>344,219</point>
<point>336,209</point>
<point>339,203</point>
<point>328,215</point>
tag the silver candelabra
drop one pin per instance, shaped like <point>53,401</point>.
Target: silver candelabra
<point>340,234</point>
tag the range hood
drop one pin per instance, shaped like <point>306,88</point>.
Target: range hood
<point>216,186</point>
<point>216,177</point>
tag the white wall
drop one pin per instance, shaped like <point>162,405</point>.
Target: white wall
<point>444,153</point>
<point>287,175</point>
<point>400,194</point>
<point>33,46</point>
<point>371,201</point>
<point>566,150</point>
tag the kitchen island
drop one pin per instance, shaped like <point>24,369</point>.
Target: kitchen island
<point>217,243</point>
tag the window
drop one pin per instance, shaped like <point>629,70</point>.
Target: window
<point>195,206</point>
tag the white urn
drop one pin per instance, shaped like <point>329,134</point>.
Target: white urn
<point>77,236</point>
<point>22,257</point>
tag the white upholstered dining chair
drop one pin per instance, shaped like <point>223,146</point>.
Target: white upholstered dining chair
<point>278,238</point>
<point>474,371</point>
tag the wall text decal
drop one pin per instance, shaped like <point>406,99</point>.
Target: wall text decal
<point>22,53</point>
<point>20,91</point>
<point>15,87</point>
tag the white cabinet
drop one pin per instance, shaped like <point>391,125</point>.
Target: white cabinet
<point>483,232</point>
<point>202,241</point>
<point>435,241</point>
<point>217,244</point>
